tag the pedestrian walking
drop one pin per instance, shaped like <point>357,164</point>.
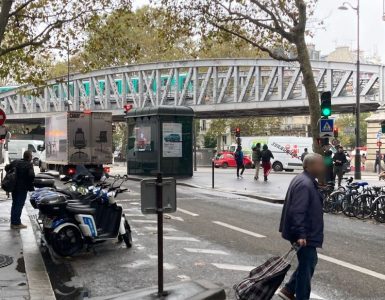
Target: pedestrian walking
<point>266,156</point>
<point>24,183</point>
<point>257,156</point>
<point>302,223</point>
<point>238,155</point>
<point>339,160</point>
<point>377,162</point>
<point>305,152</point>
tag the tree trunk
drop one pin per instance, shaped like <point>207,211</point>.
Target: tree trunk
<point>311,91</point>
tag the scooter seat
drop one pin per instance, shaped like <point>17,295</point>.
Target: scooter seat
<point>81,210</point>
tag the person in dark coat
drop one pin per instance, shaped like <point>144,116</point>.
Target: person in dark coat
<point>266,156</point>
<point>305,152</point>
<point>302,223</point>
<point>25,176</point>
<point>257,156</point>
<point>339,160</point>
<point>238,155</point>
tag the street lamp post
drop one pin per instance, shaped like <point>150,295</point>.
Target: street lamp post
<point>357,159</point>
<point>68,76</point>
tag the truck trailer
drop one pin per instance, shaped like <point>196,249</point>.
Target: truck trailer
<point>78,138</point>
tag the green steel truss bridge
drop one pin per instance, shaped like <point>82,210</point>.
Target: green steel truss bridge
<point>213,88</point>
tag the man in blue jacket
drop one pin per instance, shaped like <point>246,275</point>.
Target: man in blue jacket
<point>302,223</point>
<point>238,155</point>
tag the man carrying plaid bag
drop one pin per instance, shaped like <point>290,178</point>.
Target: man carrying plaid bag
<point>302,223</point>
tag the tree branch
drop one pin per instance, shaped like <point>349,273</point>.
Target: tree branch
<point>260,47</point>
<point>6,6</point>
<point>20,8</point>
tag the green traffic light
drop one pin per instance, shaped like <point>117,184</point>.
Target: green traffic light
<point>326,112</point>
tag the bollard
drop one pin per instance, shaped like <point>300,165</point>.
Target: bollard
<point>212,175</point>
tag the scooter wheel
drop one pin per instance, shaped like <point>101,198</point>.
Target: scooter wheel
<point>67,241</point>
<point>127,237</point>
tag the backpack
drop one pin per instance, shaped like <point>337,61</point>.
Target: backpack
<point>8,183</point>
<point>266,155</point>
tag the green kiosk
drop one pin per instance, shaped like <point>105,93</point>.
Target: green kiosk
<point>160,140</point>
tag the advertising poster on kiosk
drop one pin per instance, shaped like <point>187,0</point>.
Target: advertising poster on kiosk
<point>79,150</point>
<point>172,139</point>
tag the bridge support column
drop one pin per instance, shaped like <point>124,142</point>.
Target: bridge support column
<point>373,127</point>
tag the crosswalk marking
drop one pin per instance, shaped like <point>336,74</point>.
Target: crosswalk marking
<point>174,217</point>
<point>181,238</point>
<point>187,212</point>
<point>206,251</point>
<point>351,266</point>
<point>155,228</point>
<point>254,234</point>
<point>143,221</point>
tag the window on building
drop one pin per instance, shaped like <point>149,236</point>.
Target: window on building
<point>224,139</point>
<point>204,125</point>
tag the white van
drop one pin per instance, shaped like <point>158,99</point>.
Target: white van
<point>286,150</point>
<point>16,148</point>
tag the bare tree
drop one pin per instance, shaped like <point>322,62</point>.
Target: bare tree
<point>277,27</point>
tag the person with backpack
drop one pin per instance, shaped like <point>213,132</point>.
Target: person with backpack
<point>238,155</point>
<point>256,156</point>
<point>266,156</point>
<point>23,177</point>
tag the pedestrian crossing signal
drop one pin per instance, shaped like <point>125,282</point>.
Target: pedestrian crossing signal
<point>335,132</point>
<point>326,104</point>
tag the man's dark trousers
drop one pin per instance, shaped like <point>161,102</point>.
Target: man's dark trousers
<point>18,200</point>
<point>240,167</point>
<point>300,282</point>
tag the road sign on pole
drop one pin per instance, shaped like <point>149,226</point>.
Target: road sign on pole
<point>326,128</point>
<point>3,117</point>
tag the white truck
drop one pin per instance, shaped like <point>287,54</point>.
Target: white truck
<point>17,147</point>
<point>286,150</point>
<point>78,138</point>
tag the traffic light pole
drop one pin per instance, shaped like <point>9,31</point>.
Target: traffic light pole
<point>357,159</point>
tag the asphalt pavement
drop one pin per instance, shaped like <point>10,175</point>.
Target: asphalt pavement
<point>219,236</point>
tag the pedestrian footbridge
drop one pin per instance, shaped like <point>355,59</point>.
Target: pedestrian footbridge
<point>212,87</point>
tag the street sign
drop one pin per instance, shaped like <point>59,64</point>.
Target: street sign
<point>379,135</point>
<point>3,117</point>
<point>326,128</point>
<point>148,195</point>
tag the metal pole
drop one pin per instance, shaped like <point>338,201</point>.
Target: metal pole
<point>68,75</point>
<point>212,172</point>
<point>195,146</point>
<point>159,204</point>
<point>379,164</point>
<point>357,163</point>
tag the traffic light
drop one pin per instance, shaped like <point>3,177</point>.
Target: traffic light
<point>237,132</point>
<point>326,104</point>
<point>127,108</point>
<point>335,132</point>
<point>383,126</point>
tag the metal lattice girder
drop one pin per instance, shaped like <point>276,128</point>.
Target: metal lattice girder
<point>196,83</point>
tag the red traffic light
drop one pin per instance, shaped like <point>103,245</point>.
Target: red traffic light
<point>335,132</point>
<point>237,132</point>
<point>128,107</point>
<point>379,144</point>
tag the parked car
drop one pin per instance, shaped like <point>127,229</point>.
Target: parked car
<point>226,159</point>
<point>172,138</point>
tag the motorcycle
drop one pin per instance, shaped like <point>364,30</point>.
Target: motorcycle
<point>68,224</point>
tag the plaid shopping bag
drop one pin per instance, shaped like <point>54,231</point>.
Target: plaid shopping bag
<point>263,281</point>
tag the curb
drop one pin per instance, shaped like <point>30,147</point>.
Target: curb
<point>39,283</point>
<point>261,198</point>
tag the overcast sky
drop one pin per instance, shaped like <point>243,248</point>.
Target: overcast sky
<point>339,27</point>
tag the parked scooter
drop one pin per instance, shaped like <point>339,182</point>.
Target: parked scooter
<point>68,225</point>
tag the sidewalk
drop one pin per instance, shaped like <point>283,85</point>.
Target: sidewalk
<point>22,270</point>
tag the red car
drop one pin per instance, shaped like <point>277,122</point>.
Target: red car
<point>226,159</point>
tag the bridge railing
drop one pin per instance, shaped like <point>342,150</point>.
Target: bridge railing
<point>193,83</point>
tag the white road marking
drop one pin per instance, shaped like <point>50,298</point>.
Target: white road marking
<point>351,266</point>
<point>135,203</point>
<point>234,267</point>
<point>188,212</point>
<point>181,238</point>
<point>184,277</point>
<point>143,221</point>
<point>248,269</point>
<point>152,256</point>
<point>134,215</point>
<point>174,217</point>
<point>168,266</point>
<point>257,235</point>
<point>155,228</point>
<point>206,251</point>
